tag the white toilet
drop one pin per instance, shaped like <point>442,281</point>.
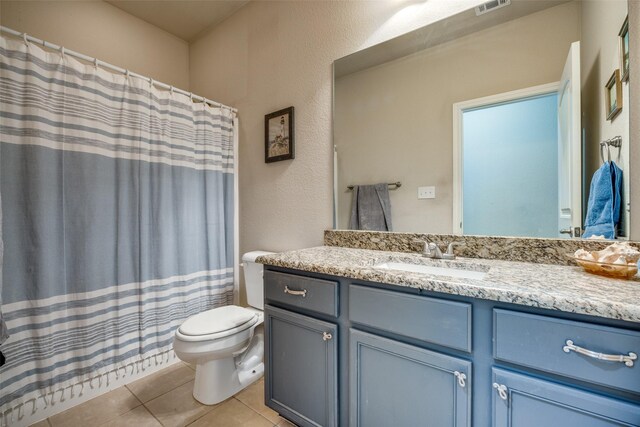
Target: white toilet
<point>223,342</point>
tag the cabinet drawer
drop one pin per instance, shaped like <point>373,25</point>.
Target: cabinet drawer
<point>438,321</point>
<point>540,342</point>
<point>307,293</point>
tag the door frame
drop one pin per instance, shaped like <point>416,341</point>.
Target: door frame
<point>458,109</point>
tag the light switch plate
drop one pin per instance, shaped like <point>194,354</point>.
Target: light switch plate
<point>426,192</point>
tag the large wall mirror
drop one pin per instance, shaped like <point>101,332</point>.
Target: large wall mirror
<point>492,121</point>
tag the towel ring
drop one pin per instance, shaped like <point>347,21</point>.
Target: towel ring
<point>602,145</point>
<point>616,141</point>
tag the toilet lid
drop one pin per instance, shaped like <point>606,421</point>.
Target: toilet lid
<point>218,320</point>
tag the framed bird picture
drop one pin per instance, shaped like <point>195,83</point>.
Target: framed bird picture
<point>279,136</point>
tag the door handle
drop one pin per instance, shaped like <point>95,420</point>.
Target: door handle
<point>627,359</point>
<point>502,390</point>
<point>461,378</point>
<point>566,231</point>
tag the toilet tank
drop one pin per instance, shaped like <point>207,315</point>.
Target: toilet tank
<point>253,278</point>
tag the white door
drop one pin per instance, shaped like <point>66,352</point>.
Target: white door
<point>569,146</point>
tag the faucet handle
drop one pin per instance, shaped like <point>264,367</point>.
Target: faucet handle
<point>426,250</point>
<point>450,254</point>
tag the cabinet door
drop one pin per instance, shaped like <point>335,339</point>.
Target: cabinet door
<point>301,361</point>
<point>523,401</point>
<point>396,384</point>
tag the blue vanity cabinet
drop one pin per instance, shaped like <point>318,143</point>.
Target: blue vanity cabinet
<point>524,401</point>
<point>301,367</point>
<point>396,384</point>
<point>401,356</point>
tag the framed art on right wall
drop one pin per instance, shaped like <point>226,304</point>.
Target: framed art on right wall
<point>623,40</point>
<point>613,96</point>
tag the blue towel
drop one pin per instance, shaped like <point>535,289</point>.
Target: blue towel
<point>603,209</point>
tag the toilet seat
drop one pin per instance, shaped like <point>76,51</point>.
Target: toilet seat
<point>217,323</point>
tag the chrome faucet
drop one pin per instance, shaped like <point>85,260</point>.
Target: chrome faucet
<point>431,250</point>
<point>434,250</point>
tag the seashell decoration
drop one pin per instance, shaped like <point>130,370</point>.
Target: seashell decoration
<point>619,259</point>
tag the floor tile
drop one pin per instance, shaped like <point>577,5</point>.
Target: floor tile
<point>97,411</point>
<point>43,423</point>
<point>177,407</point>
<point>285,423</point>
<point>159,383</point>
<point>232,413</point>
<point>139,417</point>
<point>253,397</point>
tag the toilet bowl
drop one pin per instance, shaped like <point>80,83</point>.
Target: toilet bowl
<point>225,343</point>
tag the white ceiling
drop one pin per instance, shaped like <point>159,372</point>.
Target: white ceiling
<point>183,18</point>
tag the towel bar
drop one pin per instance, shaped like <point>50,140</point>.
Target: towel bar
<point>397,185</point>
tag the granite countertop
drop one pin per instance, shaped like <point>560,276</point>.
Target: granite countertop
<point>553,287</point>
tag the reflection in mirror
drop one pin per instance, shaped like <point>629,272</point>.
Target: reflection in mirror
<point>492,124</point>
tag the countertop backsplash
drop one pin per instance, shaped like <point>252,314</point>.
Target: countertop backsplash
<point>523,249</point>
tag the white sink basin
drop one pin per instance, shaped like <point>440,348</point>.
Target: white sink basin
<point>430,269</point>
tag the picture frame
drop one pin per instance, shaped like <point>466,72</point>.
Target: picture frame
<point>279,136</point>
<point>623,42</point>
<point>613,96</point>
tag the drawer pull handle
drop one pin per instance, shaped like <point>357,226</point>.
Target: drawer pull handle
<point>626,359</point>
<point>461,378</point>
<point>502,390</point>
<point>302,293</point>
<point>326,336</point>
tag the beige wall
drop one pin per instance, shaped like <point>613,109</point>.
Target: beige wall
<point>271,55</point>
<point>601,22</point>
<point>97,29</point>
<point>634,107</point>
<point>394,122</point>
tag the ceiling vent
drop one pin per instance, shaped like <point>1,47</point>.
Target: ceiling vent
<point>491,5</point>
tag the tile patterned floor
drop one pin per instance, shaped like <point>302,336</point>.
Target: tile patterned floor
<point>165,399</point>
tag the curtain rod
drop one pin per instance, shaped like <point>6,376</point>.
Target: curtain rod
<point>27,38</point>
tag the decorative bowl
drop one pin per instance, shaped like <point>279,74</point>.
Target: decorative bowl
<point>618,271</point>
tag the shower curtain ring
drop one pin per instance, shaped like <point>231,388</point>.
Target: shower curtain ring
<point>24,37</point>
<point>95,63</point>
<point>171,90</point>
<point>62,52</point>
<point>151,82</point>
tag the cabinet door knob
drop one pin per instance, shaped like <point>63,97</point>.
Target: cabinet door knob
<point>302,293</point>
<point>326,336</point>
<point>502,390</point>
<point>461,378</point>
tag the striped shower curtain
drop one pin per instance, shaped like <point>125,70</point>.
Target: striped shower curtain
<point>117,223</point>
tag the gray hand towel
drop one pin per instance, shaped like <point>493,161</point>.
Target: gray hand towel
<point>371,208</point>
